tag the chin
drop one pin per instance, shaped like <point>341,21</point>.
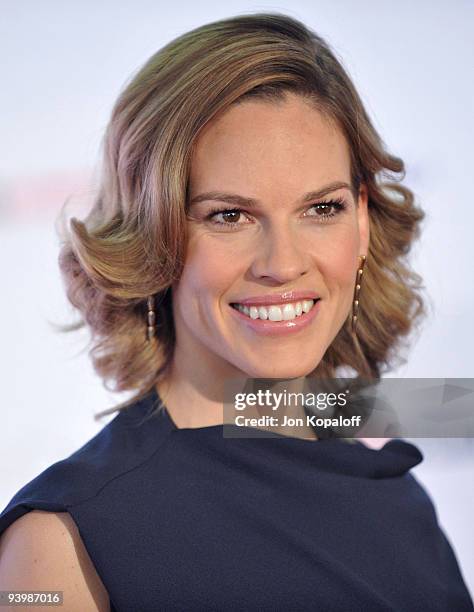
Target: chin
<point>283,371</point>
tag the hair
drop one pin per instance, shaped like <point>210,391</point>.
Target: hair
<point>132,243</point>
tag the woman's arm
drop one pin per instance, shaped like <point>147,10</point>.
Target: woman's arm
<point>43,551</point>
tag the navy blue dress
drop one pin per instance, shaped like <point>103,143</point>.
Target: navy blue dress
<point>189,520</point>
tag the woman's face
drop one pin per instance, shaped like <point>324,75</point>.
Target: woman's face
<point>274,154</point>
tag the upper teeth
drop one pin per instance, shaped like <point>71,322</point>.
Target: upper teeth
<point>281,312</point>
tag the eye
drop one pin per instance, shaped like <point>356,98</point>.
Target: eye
<point>229,217</point>
<point>326,210</point>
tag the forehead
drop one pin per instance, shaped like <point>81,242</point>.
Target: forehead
<point>269,145</point>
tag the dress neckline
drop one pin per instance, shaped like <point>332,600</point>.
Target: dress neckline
<point>332,454</point>
<point>253,432</point>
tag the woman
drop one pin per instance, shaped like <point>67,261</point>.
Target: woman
<point>241,206</point>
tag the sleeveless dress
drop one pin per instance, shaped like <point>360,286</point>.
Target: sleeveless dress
<point>190,520</point>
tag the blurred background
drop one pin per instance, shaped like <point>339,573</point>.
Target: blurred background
<point>64,64</point>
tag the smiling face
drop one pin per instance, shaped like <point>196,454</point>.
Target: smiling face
<point>274,154</point>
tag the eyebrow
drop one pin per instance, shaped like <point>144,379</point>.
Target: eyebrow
<point>232,198</point>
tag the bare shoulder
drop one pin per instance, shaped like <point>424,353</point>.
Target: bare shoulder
<point>44,551</point>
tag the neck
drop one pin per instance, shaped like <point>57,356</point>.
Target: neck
<point>195,399</point>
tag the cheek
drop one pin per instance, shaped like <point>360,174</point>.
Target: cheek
<point>338,263</point>
<point>208,272</point>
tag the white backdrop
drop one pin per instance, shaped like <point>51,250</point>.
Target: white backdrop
<point>63,66</point>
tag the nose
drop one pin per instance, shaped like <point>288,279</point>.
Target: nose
<point>281,255</point>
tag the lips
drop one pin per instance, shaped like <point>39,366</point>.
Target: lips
<point>277,298</point>
<point>278,327</point>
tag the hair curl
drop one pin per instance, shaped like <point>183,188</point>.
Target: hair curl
<point>132,243</point>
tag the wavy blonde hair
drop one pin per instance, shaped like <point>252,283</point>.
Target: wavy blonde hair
<point>133,241</point>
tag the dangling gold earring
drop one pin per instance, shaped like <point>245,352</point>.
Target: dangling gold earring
<point>355,302</point>
<point>151,319</point>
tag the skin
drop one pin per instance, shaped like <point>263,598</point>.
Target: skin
<point>275,153</point>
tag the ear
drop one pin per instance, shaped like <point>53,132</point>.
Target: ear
<point>363,220</point>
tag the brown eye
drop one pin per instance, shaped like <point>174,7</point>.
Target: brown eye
<point>231,215</point>
<point>225,218</point>
<point>323,207</point>
<point>326,210</point>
